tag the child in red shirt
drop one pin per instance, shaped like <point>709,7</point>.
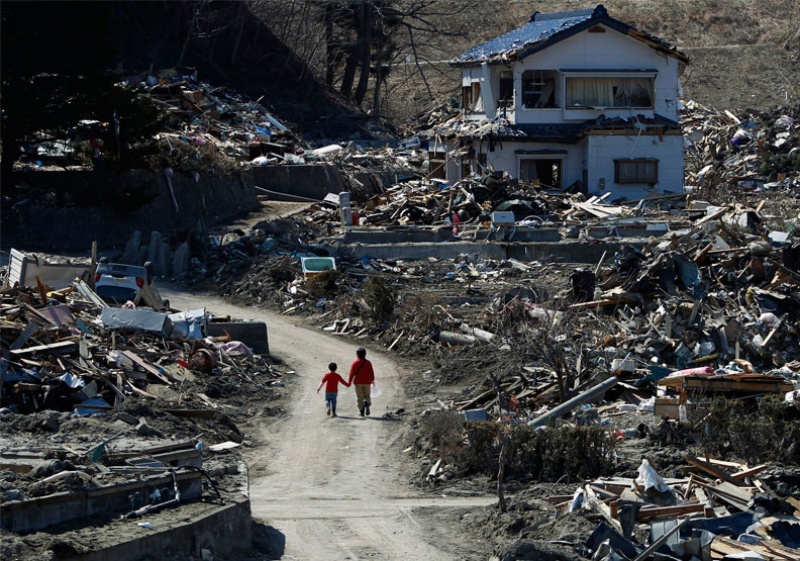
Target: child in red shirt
<point>331,380</point>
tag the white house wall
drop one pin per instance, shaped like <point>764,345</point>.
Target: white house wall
<point>601,150</point>
<point>506,159</point>
<point>598,51</point>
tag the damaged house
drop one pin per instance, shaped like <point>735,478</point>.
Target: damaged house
<point>570,99</point>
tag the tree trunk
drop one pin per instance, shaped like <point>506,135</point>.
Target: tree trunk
<point>365,42</point>
<point>349,71</point>
<point>501,471</point>
<point>376,94</point>
<point>330,47</point>
<point>240,15</point>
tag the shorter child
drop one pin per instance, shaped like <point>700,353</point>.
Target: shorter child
<point>331,380</point>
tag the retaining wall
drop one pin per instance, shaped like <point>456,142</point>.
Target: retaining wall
<point>67,210</point>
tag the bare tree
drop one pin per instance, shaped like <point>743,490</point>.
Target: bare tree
<point>364,41</point>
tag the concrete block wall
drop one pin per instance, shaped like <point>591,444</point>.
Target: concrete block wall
<point>311,181</point>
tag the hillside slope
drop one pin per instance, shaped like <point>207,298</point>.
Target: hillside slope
<point>745,54</point>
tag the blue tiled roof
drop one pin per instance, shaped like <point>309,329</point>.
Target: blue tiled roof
<point>524,40</point>
<point>541,27</point>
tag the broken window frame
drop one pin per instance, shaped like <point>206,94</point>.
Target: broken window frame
<point>610,91</point>
<point>471,99</point>
<point>438,164</point>
<point>505,97</point>
<point>538,89</point>
<point>636,170</point>
<point>557,161</point>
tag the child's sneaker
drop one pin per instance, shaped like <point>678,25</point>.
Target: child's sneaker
<point>328,412</point>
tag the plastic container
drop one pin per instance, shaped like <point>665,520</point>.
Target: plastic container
<point>315,265</point>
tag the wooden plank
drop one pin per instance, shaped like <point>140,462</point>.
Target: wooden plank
<point>622,299</point>
<point>147,367</point>
<point>781,551</point>
<point>59,347</point>
<point>744,474</point>
<point>723,463</point>
<point>711,470</point>
<point>192,413</point>
<point>718,384</point>
<point>795,503</point>
<point>119,396</point>
<point>30,329</point>
<point>402,333</point>
<point>742,494</point>
<point>728,546</point>
<point>90,406</point>
<point>727,498</point>
<point>673,511</point>
<point>602,508</point>
<point>712,216</point>
<point>178,446</point>
<point>138,390</point>
<point>702,497</point>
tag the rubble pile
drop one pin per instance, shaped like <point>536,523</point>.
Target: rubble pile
<point>701,295</point>
<point>202,115</point>
<point>751,152</point>
<point>122,395</point>
<point>712,509</point>
<point>729,159</point>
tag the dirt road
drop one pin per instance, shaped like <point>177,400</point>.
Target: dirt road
<point>331,486</point>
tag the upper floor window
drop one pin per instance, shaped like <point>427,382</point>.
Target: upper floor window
<point>538,88</point>
<point>471,99</point>
<point>610,92</point>
<point>506,97</point>
<point>636,170</point>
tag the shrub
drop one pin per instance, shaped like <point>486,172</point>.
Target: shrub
<point>755,431</point>
<point>380,298</point>
<point>324,284</point>
<point>543,455</point>
<point>444,430</point>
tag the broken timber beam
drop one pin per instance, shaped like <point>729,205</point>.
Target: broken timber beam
<point>711,470</point>
<point>147,367</point>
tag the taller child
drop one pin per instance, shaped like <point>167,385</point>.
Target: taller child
<point>362,376</point>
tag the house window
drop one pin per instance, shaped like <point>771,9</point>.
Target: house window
<point>471,97</point>
<point>506,97</point>
<point>467,161</point>
<point>466,97</point>
<point>636,171</point>
<point>541,171</point>
<point>538,89</point>
<point>438,161</point>
<point>610,92</point>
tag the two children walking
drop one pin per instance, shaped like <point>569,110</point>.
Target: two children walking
<point>362,376</point>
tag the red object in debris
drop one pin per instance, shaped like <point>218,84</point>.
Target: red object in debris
<point>356,219</point>
<point>183,363</point>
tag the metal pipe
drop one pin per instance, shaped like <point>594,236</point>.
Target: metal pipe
<point>571,404</point>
